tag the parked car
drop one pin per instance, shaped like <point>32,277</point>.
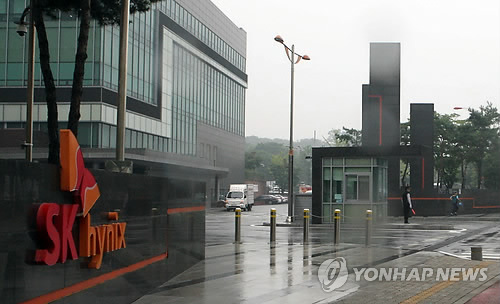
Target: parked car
<point>221,202</point>
<point>267,199</point>
<point>279,198</point>
<point>284,199</point>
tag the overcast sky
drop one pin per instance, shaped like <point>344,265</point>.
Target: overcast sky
<point>450,56</point>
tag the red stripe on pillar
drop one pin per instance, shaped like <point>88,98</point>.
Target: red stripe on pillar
<point>185,209</point>
<point>379,117</point>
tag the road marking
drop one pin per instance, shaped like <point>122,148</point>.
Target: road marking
<point>457,231</point>
<point>466,255</point>
<point>437,288</point>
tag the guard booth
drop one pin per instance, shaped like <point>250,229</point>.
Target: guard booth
<point>353,185</point>
<point>354,179</point>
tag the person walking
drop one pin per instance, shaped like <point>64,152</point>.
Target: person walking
<point>454,203</point>
<point>407,205</point>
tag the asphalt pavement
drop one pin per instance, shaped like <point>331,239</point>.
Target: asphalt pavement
<point>258,271</point>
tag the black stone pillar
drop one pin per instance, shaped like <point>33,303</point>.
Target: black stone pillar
<point>422,133</point>
<point>381,105</point>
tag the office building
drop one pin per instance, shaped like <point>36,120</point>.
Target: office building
<point>186,90</point>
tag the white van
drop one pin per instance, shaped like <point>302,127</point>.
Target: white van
<point>241,196</point>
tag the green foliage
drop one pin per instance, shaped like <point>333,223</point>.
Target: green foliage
<point>460,143</point>
<point>483,130</point>
<point>258,160</point>
<point>348,138</point>
<point>103,11</point>
<point>405,133</point>
<point>279,169</point>
<point>303,165</point>
<point>465,151</point>
<point>492,170</point>
<point>446,149</point>
<point>267,160</point>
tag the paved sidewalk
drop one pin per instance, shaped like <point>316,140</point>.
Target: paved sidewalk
<point>287,273</point>
<point>490,295</point>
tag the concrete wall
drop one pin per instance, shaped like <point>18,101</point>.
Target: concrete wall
<point>162,215</point>
<point>230,153</point>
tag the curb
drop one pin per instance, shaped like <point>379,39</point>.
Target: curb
<point>417,226</point>
<point>383,226</point>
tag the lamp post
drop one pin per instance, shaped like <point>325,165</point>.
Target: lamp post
<point>22,29</point>
<point>290,52</point>
<point>122,82</point>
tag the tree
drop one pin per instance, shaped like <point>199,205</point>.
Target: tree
<point>463,151</point>
<point>348,138</point>
<point>258,160</point>
<point>460,143</point>
<point>445,149</point>
<point>48,79</point>
<point>484,126</point>
<point>279,169</point>
<point>303,165</point>
<point>83,7</point>
<point>268,160</point>
<point>254,166</point>
<point>492,171</point>
<point>106,12</point>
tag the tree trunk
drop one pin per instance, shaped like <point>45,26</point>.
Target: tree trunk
<point>438,179</point>
<point>463,174</point>
<point>81,57</point>
<point>479,174</point>
<point>50,88</point>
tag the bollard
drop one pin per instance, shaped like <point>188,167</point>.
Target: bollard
<point>336,221</point>
<point>368,227</point>
<point>273,225</point>
<point>476,253</point>
<point>237,225</point>
<point>306,226</point>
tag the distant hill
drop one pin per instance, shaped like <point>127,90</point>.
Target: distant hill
<point>252,141</point>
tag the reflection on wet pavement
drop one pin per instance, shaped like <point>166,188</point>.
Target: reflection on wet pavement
<point>256,271</point>
<point>236,273</point>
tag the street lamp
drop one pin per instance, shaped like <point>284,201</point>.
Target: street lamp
<point>22,29</point>
<point>290,52</point>
<point>460,108</point>
<point>122,83</point>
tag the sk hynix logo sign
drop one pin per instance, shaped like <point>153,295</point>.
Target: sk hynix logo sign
<point>54,222</point>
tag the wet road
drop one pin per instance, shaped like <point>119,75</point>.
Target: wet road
<point>255,271</point>
<point>220,230</point>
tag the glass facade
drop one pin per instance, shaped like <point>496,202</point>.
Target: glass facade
<point>190,23</point>
<point>101,68</point>
<point>201,93</point>
<point>352,180</point>
<point>194,88</point>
